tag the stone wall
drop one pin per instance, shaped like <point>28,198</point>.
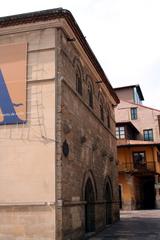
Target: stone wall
<point>27,222</point>
<point>92,145</point>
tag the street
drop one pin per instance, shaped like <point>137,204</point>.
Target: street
<point>134,225</point>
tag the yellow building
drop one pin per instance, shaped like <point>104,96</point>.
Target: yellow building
<point>138,144</point>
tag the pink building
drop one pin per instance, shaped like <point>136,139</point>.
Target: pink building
<point>138,134</point>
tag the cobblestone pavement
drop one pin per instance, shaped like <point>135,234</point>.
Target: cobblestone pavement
<point>134,225</point>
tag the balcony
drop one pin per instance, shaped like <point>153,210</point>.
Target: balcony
<point>148,167</point>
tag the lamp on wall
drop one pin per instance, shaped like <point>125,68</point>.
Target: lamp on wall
<point>98,81</point>
<point>71,39</point>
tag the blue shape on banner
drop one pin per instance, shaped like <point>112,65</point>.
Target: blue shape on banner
<point>6,105</point>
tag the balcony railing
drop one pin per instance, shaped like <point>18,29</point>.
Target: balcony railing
<point>137,167</point>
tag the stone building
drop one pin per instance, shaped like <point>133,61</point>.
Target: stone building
<point>138,134</point>
<point>58,177</point>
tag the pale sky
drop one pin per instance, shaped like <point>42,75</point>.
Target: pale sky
<point>123,34</point>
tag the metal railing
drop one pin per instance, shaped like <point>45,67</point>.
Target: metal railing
<point>137,167</point>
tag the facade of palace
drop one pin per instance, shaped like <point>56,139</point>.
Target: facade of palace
<point>58,168</point>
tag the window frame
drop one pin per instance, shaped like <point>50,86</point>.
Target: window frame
<point>101,106</point>
<point>134,113</point>
<point>108,115</point>
<point>108,119</point>
<point>138,163</point>
<point>147,136</point>
<point>119,132</point>
<point>90,93</point>
<point>79,81</point>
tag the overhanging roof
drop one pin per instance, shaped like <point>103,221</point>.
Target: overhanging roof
<point>47,15</point>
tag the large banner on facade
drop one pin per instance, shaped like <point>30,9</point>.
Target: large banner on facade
<point>13,59</point>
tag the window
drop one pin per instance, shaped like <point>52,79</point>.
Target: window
<point>90,95</point>
<point>101,110</point>
<point>78,81</point>
<point>133,113</point>
<point>148,134</point>
<point>139,159</point>
<point>120,132</point>
<point>136,96</point>
<point>101,105</point>
<point>108,120</point>
<point>108,116</point>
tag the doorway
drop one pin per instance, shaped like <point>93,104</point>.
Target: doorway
<point>89,207</point>
<point>148,193</point>
<point>108,197</point>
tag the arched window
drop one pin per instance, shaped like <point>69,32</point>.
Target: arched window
<point>78,81</point>
<point>101,111</point>
<point>101,108</point>
<point>108,117</point>
<point>90,94</point>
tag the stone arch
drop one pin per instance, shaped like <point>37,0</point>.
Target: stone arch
<point>108,197</point>
<point>89,174</point>
<point>89,196</point>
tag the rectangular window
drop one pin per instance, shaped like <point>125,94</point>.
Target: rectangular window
<point>139,159</point>
<point>136,96</point>
<point>148,134</point>
<point>120,132</point>
<point>133,113</point>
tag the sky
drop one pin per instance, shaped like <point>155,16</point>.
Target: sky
<point>123,34</point>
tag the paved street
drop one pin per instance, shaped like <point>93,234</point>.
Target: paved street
<point>134,225</point>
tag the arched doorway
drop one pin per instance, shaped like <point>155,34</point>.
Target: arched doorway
<point>89,207</point>
<point>108,198</point>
